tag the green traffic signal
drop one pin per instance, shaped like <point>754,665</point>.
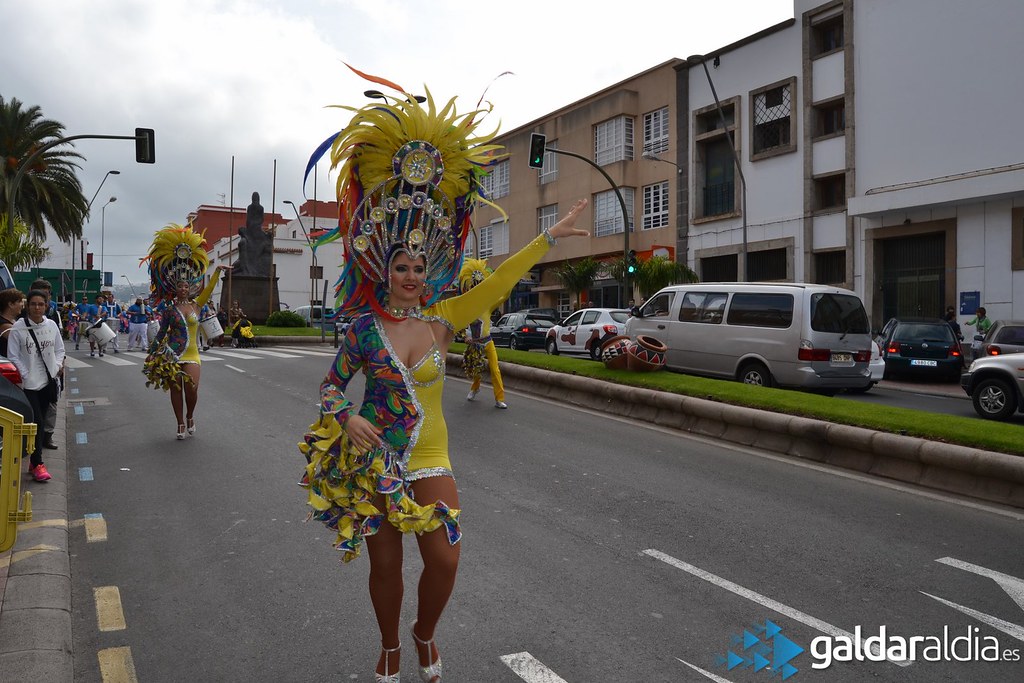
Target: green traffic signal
<point>537,144</point>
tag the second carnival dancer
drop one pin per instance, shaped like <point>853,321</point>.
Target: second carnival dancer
<point>408,182</point>
<point>480,353</point>
<point>177,265</point>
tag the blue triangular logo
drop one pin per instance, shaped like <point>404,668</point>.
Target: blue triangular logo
<point>733,661</point>
<point>749,640</point>
<point>788,670</point>
<point>771,628</point>
<point>760,662</point>
<point>784,650</point>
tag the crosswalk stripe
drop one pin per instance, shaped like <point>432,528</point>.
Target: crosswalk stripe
<point>74,363</point>
<point>234,354</point>
<point>107,358</point>
<point>272,354</point>
<point>307,352</point>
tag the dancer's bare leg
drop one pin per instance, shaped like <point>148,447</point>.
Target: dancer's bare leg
<point>386,587</point>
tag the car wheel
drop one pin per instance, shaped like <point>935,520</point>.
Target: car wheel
<point>756,374</point>
<point>551,346</point>
<point>595,351</point>
<point>994,399</point>
<point>513,343</point>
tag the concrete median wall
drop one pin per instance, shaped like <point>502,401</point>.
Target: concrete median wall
<point>986,475</point>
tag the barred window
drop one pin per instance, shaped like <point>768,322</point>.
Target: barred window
<point>656,131</point>
<point>655,206</point>
<point>608,212</point>
<point>547,216</point>
<point>766,265</point>
<point>772,118</point>
<point>830,267</point>
<point>549,171</point>
<point>613,140</point>
<point>486,236</point>
<point>495,183</point>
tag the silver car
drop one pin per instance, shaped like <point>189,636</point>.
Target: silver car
<point>996,385</point>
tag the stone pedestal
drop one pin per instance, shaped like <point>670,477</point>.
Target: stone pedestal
<point>257,295</point>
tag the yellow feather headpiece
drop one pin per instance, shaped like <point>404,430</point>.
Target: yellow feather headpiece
<point>176,255</point>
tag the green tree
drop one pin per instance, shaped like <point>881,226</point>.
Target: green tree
<point>578,276</point>
<point>49,193</point>
<point>17,249</point>
<point>658,272</point>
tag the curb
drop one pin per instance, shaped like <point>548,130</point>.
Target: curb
<point>35,603</point>
<point>985,475</point>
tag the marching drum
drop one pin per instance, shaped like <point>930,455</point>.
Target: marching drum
<point>151,330</point>
<point>100,333</point>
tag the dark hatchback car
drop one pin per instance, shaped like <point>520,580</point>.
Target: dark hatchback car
<point>521,331</point>
<point>922,347</point>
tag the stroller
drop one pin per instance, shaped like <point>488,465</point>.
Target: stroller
<point>242,335</point>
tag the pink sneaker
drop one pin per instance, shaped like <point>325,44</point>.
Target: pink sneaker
<point>39,473</point>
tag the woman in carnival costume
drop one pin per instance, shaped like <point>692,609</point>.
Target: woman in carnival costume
<point>409,178</point>
<point>177,265</point>
<point>480,353</point>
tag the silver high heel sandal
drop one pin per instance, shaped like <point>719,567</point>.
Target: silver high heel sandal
<point>191,426</point>
<point>386,677</point>
<point>432,673</point>
<point>181,432</point>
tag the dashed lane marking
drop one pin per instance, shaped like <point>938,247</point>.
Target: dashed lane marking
<point>234,354</point>
<point>81,437</point>
<point>234,368</point>
<point>79,410</point>
<point>794,614</point>
<point>95,529</point>
<point>706,674</point>
<point>85,474</point>
<point>38,524</point>
<point>109,614</point>
<point>528,668</point>
<point>116,665</point>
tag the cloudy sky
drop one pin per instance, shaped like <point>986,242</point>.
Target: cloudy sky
<point>254,79</point>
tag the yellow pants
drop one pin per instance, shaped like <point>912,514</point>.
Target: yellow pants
<point>492,363</point>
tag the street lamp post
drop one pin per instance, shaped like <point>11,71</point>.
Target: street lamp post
<point>312,266</point>
<point>74,246</point>
<point>103,229</point>
<point>130,285</point>
<point>693,60</point>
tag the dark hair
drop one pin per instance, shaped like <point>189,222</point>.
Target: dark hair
<point>36,292</point>
<point>40,284</point>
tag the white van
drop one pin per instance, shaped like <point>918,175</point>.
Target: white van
<point>786,334</point>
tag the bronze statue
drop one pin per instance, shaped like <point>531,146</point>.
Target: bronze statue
<point>255,245</point>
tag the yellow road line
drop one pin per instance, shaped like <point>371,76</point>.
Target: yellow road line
<point>95,529</point>
<point>109,614</point>
<point>34,550</point>
<point>116,665</point>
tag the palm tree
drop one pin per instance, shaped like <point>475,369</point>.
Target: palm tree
<point>17,250</point>
<point>49,193</point>
<point>579,276</point>
<point>658,272</point>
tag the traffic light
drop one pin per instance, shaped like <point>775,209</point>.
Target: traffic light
<point>631,262</point>
<point>145,146</point>
<point>537,143</point>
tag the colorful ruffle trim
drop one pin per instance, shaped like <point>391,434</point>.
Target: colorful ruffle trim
<point>474,360</point>
<point>162,369</point>
<point>343,483</point>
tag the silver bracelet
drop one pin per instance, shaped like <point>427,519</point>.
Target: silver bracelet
<point>547,235</point>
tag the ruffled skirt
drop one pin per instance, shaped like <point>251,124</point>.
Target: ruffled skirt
<point>342,485</point>
<point>163,369</point>
<point>474,360</point>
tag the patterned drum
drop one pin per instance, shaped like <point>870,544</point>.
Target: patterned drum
<point>613,352</point>
<point>646,354</point>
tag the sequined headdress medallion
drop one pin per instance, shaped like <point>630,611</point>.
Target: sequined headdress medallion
<point>176,255</point>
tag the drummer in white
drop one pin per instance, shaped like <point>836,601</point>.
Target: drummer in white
<point>138,317</point>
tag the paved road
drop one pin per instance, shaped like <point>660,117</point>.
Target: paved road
<point>595,549</point>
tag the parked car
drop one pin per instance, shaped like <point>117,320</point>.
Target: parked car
<point>798,335</point>
<point>1005,336</point>
<point>6,279</point>
<point>996,385</point>
<point>876,367</point>
<point>925,347</point>
<point>9,371</point>
<point>316,316</point>
<point>521,331</point>
<point>586,330</point>
<point>548,313</point>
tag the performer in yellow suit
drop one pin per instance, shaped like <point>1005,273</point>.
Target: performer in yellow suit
<point>480,352</point>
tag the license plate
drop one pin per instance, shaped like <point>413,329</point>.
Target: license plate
<point>925,363</point>
<point>842,358</point>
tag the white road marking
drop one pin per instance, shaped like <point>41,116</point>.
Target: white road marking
<point>234,354</point>
<point>234,368</point>
<point>113,360</point>
<point>528,668</point>
<point>1013,586</point>
<point>708,674</point>
<point>73,363</point>
<point>786,610</point>
<point>1006,627</point>
<point>307,352</point>
<point>272,354</point>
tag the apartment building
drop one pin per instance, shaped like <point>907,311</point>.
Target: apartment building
<point>867,144</point>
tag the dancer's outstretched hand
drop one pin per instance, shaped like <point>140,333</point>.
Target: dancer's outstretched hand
<point>567,226</point>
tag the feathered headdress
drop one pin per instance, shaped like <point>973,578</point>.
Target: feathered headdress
<point>408,181</point>
<point>176,255</point>
<point>473,272</point>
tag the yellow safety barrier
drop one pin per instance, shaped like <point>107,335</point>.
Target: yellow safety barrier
<point>18,439</point>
